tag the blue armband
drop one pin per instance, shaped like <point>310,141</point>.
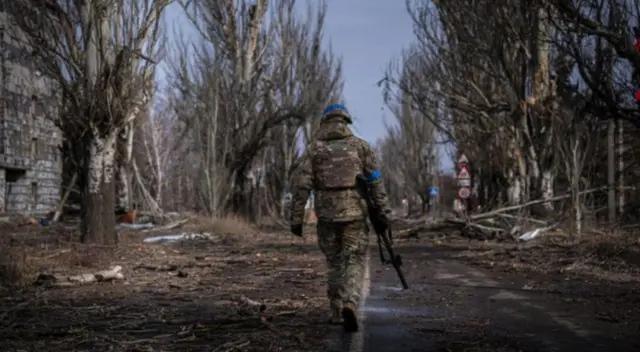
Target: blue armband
<point>374,176</point>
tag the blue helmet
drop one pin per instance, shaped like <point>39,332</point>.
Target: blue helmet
<point>336,110</point>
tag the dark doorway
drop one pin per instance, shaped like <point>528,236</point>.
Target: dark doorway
<point>12,177</point>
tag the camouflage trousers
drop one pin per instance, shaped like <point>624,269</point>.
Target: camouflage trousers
<point>344,245</point>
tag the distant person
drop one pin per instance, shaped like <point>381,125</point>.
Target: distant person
<point>329,167</point>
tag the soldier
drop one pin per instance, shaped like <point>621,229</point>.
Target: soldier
<point>329,167</point>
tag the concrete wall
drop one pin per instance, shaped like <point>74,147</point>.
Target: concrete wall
<point>30,161</point>
<point>2,188</point>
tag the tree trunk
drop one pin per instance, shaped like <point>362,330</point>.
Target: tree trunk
<point>516,184</point>
<point>124,187</point>
<point>124,174</point>
<point>92,217</point>
<point>92,221</point>
<point>546,187</point>
<point>621,192</point>
<point>611,170</point>
<point>576,172</point>
<point>98,220</point>
<point>109,216</point>
<point>109,188</point>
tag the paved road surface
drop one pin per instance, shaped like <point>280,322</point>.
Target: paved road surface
<point>452,306</point>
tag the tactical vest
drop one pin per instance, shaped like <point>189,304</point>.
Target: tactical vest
<point>336,164</point>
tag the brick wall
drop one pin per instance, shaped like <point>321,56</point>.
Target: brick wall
<point>30,162</point>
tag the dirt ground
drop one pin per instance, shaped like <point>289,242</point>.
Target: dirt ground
<point>235,292</point>
<point>241,289</point>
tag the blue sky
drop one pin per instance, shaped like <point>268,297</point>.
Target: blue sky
<point>367,35</point>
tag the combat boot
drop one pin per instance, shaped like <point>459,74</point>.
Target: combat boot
<point>350,317</point>
<point>335,317</point>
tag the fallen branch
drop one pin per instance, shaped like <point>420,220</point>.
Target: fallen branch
<point>65,196</point>
<point>528,204</point>
<point>111,274</point>
<point>473,221</point>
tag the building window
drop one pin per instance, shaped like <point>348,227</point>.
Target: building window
<point>34,193</point>
<point>34,148</point>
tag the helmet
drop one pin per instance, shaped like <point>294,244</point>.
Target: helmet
<point>336,110</point>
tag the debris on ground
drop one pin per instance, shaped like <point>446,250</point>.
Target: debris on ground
<point>242,292</point>
<point>111,274</point>
<point>147,225</point>
<point>185,236</point>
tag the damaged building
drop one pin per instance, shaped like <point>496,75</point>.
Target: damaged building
<point>30,159</point>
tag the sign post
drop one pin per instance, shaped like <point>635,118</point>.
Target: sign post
<point>433,194</point>
<point>464,182</point>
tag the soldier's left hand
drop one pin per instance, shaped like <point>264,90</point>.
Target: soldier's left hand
<point>296,230</point>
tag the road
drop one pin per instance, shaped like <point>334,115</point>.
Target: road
<point>452,306</point>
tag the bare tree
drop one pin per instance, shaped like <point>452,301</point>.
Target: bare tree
<point>156,145</point>
<point>409,150</point>
<point>596,40</point>
<point>483,62</point>
<point>577,139</point>
<point>245,92</point>
<point>101,56</point>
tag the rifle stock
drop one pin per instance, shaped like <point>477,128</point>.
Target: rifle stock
<point>382,230</point>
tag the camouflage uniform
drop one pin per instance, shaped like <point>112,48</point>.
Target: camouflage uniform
<point>329,167</point>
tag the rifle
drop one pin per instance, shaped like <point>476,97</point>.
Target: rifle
<point>383,230</point>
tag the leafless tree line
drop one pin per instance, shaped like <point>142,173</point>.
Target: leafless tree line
<point>243,96</point>
<point>538,94</point>
<point>409,150</point>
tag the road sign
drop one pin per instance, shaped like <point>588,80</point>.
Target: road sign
<point>463,159</point>
<point>463,174</point>
<point>433,191</point>
<point>464,182</point>
<point>464,192</point>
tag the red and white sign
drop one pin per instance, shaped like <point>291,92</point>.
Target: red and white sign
<point>464,173</point>
<point>464,193</point>
<point>464,179</point>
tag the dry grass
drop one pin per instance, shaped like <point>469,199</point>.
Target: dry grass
<point>15,268</point>
<point>20,263</point>
<point>612,256</point>
<point>228,225</point>
<point>614,248</point>
<point>31,249</point>
<point>27,249</point>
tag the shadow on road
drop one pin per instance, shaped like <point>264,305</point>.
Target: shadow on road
<point>452,306</point>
